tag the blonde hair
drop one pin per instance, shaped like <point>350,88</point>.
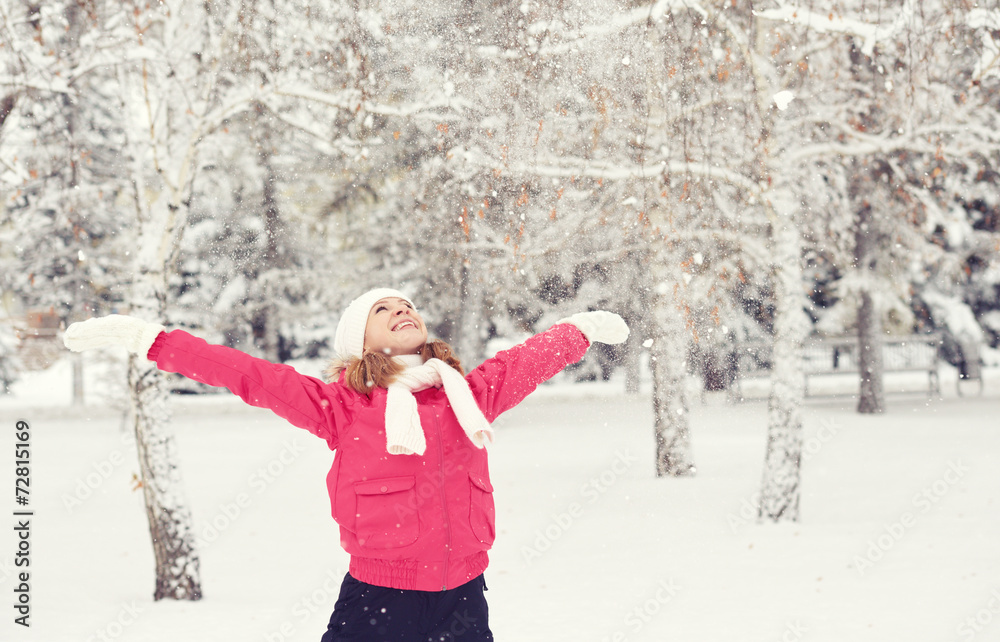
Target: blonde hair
<point>378,370</point>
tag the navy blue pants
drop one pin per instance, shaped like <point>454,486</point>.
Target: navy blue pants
<point>369,613</point>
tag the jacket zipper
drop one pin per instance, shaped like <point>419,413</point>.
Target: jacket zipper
<point>444,503</point>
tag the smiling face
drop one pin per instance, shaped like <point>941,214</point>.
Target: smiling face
<point>394,328</point>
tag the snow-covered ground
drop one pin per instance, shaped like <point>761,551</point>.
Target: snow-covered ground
<point>899,537</point>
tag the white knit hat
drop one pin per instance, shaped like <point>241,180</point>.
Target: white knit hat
<point>350,338</point>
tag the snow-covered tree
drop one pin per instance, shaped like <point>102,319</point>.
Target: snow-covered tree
<point>168,102</point>
<point>909,116</point>
<point>59,138</point>
<point>798,51</point>
<point>176,94</point>
<point>251,270</point>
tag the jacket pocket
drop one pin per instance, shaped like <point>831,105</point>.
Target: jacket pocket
<point>482,513</point>
<point>386,513</point>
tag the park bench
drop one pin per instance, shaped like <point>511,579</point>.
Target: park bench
<point>830,356</point>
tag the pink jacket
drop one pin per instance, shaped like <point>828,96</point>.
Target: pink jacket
<point>419,522</point>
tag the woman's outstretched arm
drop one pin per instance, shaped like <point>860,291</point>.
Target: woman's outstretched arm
<point>304,401</point>
<point>504,381</point>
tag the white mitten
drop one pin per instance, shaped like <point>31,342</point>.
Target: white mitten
<point>135,334</point>
<point>599,325</point>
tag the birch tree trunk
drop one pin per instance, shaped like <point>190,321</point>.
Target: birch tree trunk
<point>161,220</point>
<point>780,487</point>
<point>163,135</point>
<point>668,359</point>
<point>871,399</point>
<point>670,408</point>
<point>177,562</point>
<point>177,565</point>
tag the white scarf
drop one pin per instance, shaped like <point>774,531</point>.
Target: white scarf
<point>403,433</point>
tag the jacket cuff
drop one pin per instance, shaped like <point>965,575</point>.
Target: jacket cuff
<point>578,331</point>
<point>154,350</point>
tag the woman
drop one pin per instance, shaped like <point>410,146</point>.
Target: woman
<point>410,486</point>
